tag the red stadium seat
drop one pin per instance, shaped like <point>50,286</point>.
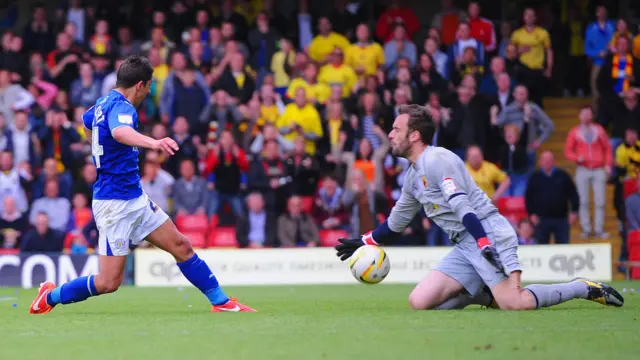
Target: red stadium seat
<point>633,240</point>
<point>330,238</point>
<point>634,255</point>
<point>512,204</point>
<point>629,187</point>
<point>223,237</point>
<point>307,204</point>
<point>192,223</point>
<point>214,222</point>
<point>198,239</point>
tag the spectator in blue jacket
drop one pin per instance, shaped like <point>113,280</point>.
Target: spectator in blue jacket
<point>597,38</point>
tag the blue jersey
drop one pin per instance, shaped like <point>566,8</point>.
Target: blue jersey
<point>116,163</point>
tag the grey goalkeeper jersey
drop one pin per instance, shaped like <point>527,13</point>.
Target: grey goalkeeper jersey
<point>441,184</point>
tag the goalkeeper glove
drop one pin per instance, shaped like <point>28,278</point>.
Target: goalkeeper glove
<point>347,247</point>
<point>490,253</point>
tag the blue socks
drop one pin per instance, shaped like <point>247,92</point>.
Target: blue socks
<point>199,274</point>
<point>76,290</point>
<point>194,269</point>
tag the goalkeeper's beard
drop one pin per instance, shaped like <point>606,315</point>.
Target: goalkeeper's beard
<point>402,149</point>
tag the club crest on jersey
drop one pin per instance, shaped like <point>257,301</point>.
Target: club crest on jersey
<point>125,119</point>
<point>424,181</point>
<point>448,186</point>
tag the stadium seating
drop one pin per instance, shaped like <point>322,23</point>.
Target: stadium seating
<point>633,246</point>
<point>633,240</point>
<point>192,223</point>
<point>330,238</point>
<point>307,204</point>
<point>513,208</point>
<point>223,236</point>
<point>198,239</point>
<point>630,186</point>
<point>214,222</point>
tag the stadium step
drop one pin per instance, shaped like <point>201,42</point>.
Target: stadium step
<point>564,113</point>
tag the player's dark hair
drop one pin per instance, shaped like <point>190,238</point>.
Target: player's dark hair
<point>586,107</point>
<point>420,121</point>
<point>133,70</point>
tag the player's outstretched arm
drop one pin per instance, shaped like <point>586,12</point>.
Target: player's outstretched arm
<point>387,232</point>
<point>129,136</point>
<point>382,234</point>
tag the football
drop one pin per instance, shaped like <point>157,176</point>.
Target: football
<point>369,264</point>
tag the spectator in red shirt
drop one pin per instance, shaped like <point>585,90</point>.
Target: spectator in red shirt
<point>447,21</point>
<point>226,162</point>
<point>588,146</point>
<point>397,14</point>
<point>481,29</point>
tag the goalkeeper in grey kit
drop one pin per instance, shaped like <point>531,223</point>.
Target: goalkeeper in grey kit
<point>483,267</point>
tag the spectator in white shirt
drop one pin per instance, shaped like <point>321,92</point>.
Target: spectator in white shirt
<point>156,182</point>
<point>109,81</point>
<point>57,208</point>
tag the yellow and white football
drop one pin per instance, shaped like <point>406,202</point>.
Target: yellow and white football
<point>369,264</point>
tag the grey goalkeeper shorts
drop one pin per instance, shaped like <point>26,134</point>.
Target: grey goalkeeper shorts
<point>466,265</point>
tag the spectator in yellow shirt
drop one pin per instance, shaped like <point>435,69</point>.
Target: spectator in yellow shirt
<point>337,73</point>
<point>282,63</point>
<point>323,44</point>
<point>160,72</point>
<point>301,119</point>
<point>534,46</point>
<point>486,175</point>
<point>628,155</point>
<point>365,56</point>
<point>315,92</point>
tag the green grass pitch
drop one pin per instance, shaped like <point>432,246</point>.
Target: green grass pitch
<point>311,322</point>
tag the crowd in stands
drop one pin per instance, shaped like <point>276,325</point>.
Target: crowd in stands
<point>282,121</point>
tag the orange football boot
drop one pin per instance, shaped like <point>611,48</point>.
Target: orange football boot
<point>39,305</point>
<point>232,306</point>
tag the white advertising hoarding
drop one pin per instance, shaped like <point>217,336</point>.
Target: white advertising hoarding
<point>540,263</point>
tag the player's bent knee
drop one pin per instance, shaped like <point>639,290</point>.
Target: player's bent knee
<point>107,285</point>
<point>182,250</point>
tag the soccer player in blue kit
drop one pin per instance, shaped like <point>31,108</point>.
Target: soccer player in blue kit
<point>122,211</point>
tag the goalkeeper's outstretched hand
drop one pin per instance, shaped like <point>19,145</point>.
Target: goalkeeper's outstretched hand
<point>347,247</point>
